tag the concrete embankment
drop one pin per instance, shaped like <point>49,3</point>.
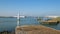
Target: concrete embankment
<point>39,29</point>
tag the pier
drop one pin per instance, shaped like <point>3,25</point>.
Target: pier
<point>39,29</point>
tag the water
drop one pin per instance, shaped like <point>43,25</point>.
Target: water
<point>9,24</point>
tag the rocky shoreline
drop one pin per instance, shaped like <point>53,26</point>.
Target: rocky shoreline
<point>7,32</point>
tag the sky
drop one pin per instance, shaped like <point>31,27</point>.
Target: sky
<point>30,7</point>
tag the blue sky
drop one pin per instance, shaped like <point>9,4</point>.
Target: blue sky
<point>30,7</point>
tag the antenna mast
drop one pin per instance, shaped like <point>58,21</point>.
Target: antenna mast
<point>18,16</point>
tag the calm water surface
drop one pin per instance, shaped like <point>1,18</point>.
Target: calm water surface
<point>10,23</point>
